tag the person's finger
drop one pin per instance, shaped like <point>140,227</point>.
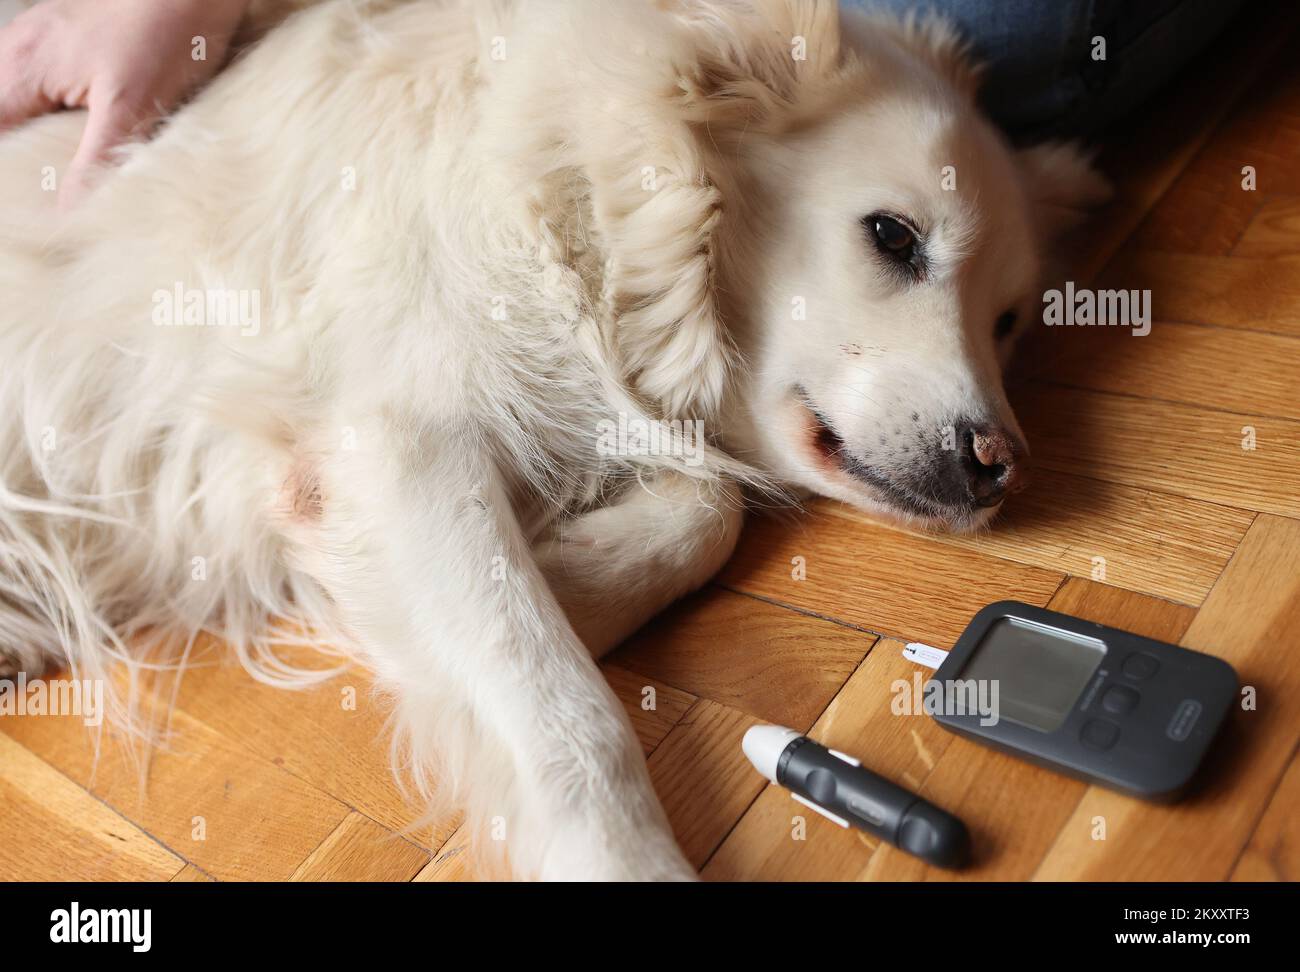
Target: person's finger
<point>21,95</point>
<point>111,122</point>
<point>20,102</point>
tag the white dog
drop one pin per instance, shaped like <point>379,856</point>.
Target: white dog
<point>354,344</point>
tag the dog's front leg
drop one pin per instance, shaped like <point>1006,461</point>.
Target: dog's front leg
<point>618,566</point>
<point>419,547</point>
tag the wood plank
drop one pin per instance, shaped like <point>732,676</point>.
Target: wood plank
<point>454,861</point>
<point>190,874</point>
<point>1251,619</point>
<point>1145,155</point>
<point>333,736</point>
<point>1162,446</point>
<point>1273,853</point>
<point>235,816</point>
<point>1274,231</point>
<point>361,850</point>
<point>653,714</point>
<point>703,778</point>
<point>780,840</point>
<point>1226,291</point>
<point>774,663</point>
<point>991,791</point>
<point>1153,543</point>
<point>885,581</point>
<point>1207,210</point>
<point>53,830</point>
<point>1186,363</point>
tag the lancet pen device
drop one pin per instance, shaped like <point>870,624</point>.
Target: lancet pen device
<point>837,787</point>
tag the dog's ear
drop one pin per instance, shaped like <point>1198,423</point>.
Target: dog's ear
<point>1062,186</point>
<point>653,132</point>
<point>758,65</point>
<point>657,211</point>
<point>659,157</point>
<point>659,196</point>
<point>938,43</point>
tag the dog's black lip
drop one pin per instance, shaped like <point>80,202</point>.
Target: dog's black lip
<point>900,496</point>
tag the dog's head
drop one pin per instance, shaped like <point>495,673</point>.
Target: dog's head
<point>834,251</point>
<point>891,258</point>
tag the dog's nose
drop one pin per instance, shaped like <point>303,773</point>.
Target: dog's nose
<point>992,460</point>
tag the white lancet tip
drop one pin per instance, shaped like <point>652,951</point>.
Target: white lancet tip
<point>763,745</point>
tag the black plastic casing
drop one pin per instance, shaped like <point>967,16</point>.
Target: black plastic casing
<point>1183,697</point>
<point>872,803</point>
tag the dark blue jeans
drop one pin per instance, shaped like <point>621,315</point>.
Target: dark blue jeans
<point>1042,79</point>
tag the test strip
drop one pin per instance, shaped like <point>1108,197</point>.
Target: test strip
<point>926,655</point>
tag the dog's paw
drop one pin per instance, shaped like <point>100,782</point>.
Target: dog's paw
<point>648,855</point>
<point>638,868</point>
<point>672,867</point>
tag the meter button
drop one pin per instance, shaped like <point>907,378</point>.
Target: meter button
<point>1138,666</point>
<point>1098,734</point>
<point>1119,699</point>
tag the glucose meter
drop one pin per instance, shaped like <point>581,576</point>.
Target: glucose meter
<point>1097,703</point>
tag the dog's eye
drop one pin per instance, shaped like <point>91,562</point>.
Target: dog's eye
<point>893,237</point>
<point>899,243</point>
<point>1005,325</point>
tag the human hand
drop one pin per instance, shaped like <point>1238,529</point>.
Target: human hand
<point>128,62</point>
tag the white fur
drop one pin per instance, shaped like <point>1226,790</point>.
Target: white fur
<point>388,467</point>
